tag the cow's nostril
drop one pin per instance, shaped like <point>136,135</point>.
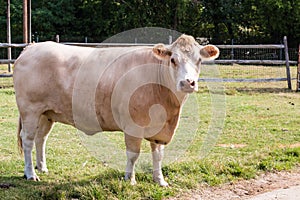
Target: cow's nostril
<point>181,83</point>
<point>191,82</point>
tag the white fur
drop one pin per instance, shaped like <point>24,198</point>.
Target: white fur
<point>157,156</point>
<point>129,171</point>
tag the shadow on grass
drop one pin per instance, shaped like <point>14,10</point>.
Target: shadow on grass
<point>103,186</point>
<point>107,185</point>
<point>16,187</point>
<point>10,180</point>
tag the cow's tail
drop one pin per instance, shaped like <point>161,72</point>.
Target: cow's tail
<point>20,146</point>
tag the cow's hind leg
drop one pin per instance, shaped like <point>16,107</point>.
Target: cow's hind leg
<point>29,129</point>
<point>133,146</point>
<point>157,156</point>
<point>45,126</point>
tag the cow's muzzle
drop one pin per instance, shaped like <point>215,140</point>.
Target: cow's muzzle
<point>188,86</point>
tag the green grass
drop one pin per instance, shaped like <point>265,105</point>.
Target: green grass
<point>263,118</point>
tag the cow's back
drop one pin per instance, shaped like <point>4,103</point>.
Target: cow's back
<point>44,75</point>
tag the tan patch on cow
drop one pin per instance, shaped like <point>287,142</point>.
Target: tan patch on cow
<point>139,108</point>
<point>140,103</point>
<point>185,43</point>
<point>161,52</point>
<point>209,51</point>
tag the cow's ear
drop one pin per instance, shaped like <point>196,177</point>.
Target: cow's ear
<point>161,52</point>
<point>209,52</point>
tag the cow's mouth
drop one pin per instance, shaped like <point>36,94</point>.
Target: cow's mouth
<point>188,87</point>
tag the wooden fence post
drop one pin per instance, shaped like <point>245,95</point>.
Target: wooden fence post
<point>8,36</point>
<point>29,21</point>
<point>298,72</point>
<point>25,21</point>
<point>287,64</point>
<point>170,39</point>
<point>57,38</point>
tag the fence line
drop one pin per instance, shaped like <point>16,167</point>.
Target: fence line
<point>255,62</point>
<point>219,61</point>
<point>284,47</point>
<point>6,45</point>
<point>234,80</point>
<point>252,46</point>
<point>10,45</point>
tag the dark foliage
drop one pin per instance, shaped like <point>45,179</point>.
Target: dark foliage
<point>222,21</point>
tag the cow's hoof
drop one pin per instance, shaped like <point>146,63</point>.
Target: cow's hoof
<point>131,178</point>
<point>132,182</point>
<point>42,170</point>
<point>162,183</point>
<point>33,178</point>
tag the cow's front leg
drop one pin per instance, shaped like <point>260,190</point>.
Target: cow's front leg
<point>133,146</point>
<point>157,156</point>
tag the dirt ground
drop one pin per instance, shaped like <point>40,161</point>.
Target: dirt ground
<point>246,189</point>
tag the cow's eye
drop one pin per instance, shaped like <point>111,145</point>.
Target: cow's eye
<point>173,61</point>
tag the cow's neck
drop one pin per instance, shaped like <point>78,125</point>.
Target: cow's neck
<point>165,79</point>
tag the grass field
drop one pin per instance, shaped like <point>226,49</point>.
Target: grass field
<point>261,133</point>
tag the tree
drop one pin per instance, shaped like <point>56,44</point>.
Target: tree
<point>279,18</point>
<point>245,21</point>
<point>54,17</point>
<point>3,21</point>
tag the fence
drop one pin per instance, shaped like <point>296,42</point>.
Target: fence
<point>256,55</point>
<point>276,54</point>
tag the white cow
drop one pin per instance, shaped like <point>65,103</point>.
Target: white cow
<point>137,90</point>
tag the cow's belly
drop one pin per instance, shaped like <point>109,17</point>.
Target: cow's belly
<point>87,128</point>
<point>58,117</point>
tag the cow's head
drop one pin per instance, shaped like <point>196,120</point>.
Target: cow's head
<point>184,57</point>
